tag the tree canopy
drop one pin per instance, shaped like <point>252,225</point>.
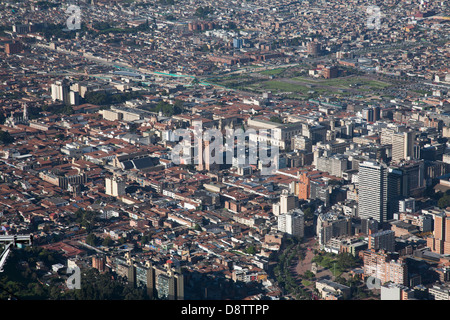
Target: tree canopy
<point>202,12</point>
<point>5,137</point>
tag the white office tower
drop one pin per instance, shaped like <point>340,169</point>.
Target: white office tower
<point>74,98</point>
<point>287,202</point>
<point>403,146</point>
<point>292,223</point>
<point>114,187</point>
<point>372,192</point>
<point>60,91</point>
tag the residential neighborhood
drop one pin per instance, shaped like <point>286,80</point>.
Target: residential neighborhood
<point>254,150</point>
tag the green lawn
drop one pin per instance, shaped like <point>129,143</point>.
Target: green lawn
<point>280,86</point>
<point>305,87</point>
<point>273,72</point>
<point>306,283</point>
<point>308,80</point>
<point>345,82</point>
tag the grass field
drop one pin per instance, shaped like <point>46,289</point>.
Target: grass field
<point>281,86</point>
<point>346,82</point>
<point>303,86</point>
<point>273,72</point>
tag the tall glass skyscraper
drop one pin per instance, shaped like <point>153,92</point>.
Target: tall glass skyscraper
<point>373,191</point>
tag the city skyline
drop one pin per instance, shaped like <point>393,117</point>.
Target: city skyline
<point>229,151</point>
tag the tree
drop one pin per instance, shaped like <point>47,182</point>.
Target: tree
<point>5,137</point>
<point>97,98</point>
<point>346,260</point>
<point>444,202</point>
<point>276,119</point>
<point>91,239</point>
<point>309,213</point>
<point>60,136</point>
<point>168,109</point>
<point>144,240</point>
<point>170,17</point>
<point>98,286</point>
<point>251,250</point>
<point>107,241</point>
<point>308,274</point>
<point>202,12</point>
<point>133,127</point>
<point>178,106</point>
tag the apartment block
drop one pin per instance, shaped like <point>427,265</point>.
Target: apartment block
<point>439,292</point>
<point>383,240</point>
<point>440,241</point>
<point>385,267</point>
<point>292,223</point>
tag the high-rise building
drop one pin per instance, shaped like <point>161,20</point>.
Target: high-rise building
<point>208,156</point>
<point>407,205</point>
<point>414,177</point>
<point>313,48</point>
<point>440,241</point>
<point>304,186</point>
<point>320,189</point>
<point>74,98</point>
<point>383,240</point>
<point>332,225</point>
<point>367,114</point>
<point>373,191</point>
<point>292,223</point>
<point>301,143</point>
<point>114,187</point>
<point>403,146</point>
<point>376,113</point>
<point>237,43</point>
<point>13,48</point>
<point>369,226</point>
<point>395,190</point>
<point>330,72</point>
<point>98,262</point>
<point>405,179</point>
<point>60,91</point>
<point>287,203</point>
<point>21,28</point>
<point>371,114</point>
<point>161,283</point>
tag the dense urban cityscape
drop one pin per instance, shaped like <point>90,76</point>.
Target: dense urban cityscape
<point>232,150</point>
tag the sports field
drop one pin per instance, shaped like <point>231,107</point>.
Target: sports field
<point>302,87</point>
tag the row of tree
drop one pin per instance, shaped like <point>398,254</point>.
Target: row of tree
<point>168,109</point>
<point>101,98</point>
<point>22,280</point>
<point>283,273</point>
